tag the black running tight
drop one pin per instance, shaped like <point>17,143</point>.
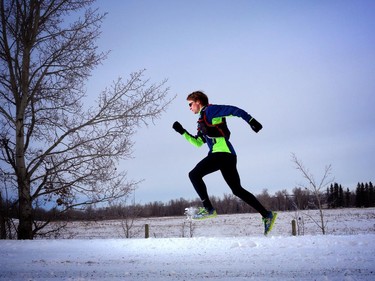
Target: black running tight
<point>227,164</point>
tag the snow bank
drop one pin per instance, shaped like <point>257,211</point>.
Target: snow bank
<point>330,257</point>
<point>225,248</point>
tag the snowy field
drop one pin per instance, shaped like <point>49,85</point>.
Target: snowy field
<point>229,247</point>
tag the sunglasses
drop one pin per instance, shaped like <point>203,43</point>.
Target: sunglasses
<point>191,103</point>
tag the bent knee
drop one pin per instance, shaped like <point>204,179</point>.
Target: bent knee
<point>192,174</point>
<point>238,191</point>
<point>195,174</point>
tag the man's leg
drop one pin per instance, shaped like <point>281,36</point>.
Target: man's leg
<point>206,166</point>
<point>232,178</point>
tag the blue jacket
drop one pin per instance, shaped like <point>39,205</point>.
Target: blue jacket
<point>214,116</point>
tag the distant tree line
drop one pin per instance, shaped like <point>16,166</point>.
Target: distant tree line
<point>299,199</point>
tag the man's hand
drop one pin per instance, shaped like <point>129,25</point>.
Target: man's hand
<point>255,125</point>
<point>178,127</point>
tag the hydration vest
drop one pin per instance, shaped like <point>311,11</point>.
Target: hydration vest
<point>212,130</point>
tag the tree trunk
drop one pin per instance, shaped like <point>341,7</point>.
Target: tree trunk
<point>3,233</point>
<point>25,224</point>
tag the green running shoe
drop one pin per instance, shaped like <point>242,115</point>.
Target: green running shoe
<point>269,221</point>
<point>203,213</point>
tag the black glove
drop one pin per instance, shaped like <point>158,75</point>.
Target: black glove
<point>178,127</point>
<point>255,125</point>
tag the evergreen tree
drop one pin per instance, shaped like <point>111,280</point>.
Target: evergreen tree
<point>341,197</point>
<point>359,196</point>
<point>366,193</point>
<point>371,195</point>
<point>332,196</point>
<point>329,197</point>
<point>347,198</point>
<point>336,195</point>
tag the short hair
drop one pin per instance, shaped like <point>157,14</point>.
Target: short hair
<point>198,96</point>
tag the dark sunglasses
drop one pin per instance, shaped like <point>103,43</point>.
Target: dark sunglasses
<point>190,104</point>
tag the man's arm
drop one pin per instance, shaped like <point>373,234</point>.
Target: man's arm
<point>197,140</point>
<point>215,113</point>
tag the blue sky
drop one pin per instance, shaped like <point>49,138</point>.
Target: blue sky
<point>304,69</point>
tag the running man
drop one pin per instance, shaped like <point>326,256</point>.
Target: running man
<point>213,130</point>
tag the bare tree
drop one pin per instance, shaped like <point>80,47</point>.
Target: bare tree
<point>128,217</point>
<point>282,202</point>
<point>317,188</point>
<point>58,147</point>
<point>3,219</point>
<point>301,197</point>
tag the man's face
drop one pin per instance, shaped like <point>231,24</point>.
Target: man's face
<point>195,106</point>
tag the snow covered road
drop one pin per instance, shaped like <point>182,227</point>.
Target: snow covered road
<point>329,257</point>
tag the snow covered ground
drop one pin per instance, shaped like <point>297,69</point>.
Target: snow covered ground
<point>229,247</point>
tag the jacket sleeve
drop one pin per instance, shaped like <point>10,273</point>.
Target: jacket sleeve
<point>197,140</point>
<point>220,111</point>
